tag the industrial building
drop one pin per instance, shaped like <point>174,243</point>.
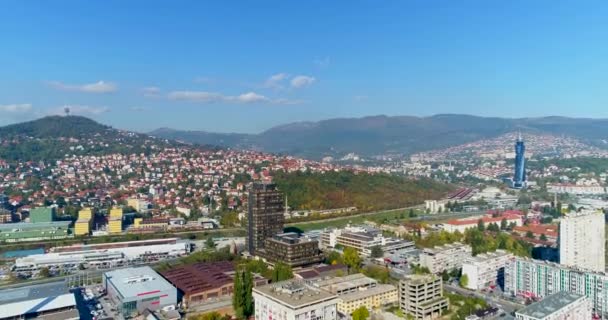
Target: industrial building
<point>562,305</point>
<point>294,299</point>
<point>421,296</point>
<point>265,215</point>
<point>43,301</point>
<point>446,257</point>
<point>537,279</point>
<point>200,282</point>
<point>26,231</point>
<point>358,290</point>
<point>291,249</point>
<point>486,269</point>
<point>102,258</point>
<point>133,290</point>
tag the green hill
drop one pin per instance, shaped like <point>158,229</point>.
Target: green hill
<point>365,191</point>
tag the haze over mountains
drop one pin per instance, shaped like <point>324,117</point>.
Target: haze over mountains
<point>398,135</point>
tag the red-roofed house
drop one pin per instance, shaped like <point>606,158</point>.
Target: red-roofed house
<point>463,224</point>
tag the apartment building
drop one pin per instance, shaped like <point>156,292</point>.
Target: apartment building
<point>559,306</point>
<point>487,269</point>
<point>265,215</point>
<point>358,290</point>
<point>530,278</point>
<point>582,240</point>
<point>421,296</point>
<point>446,257</point>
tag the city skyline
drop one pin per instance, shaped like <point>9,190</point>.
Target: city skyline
<point>195,67</point>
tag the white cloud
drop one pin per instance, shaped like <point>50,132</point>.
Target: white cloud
<point>302,81</point>
<point>151,91</point>
<point>214,97</point>
<point>276,81</point>
<point>97,87</point>
<point>79,110</point>
<point>16,108</point>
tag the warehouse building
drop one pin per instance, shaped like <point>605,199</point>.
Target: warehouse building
<point>25,231</point>
<point>44,301</point>
<point>133,290</point>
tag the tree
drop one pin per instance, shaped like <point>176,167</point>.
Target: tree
<point>503,224</point>
<point>464,280</point>
<point>530,235</point>
<point>445,276</point>
<point>209,243</point>
<point>333,257</point>
<point>361,313</point>
<point>480,225</point>
<point>543,237</point>
<point>412,214</point>
<point>44,272</point>
<point>281,272</point>
<point>242,299</point>
<point>493,227</point>
<point>377,252</point>
<point>352,259</point>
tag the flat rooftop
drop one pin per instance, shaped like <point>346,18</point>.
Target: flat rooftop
<point>549,305</point>
<point>200,277</point>
<point>483,257</point>
<point>294,293</point>
<point>33,292</point>
<point>30,225</point>
<point>346,282</point>
<point>133,282</point>
<point>418,279</point>
<point>380,289</point>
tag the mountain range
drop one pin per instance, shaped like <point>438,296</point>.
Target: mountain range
<point>385,135</point>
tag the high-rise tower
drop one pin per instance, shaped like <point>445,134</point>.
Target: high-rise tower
<point>582,241</point>
<point>519,178</point>
<point>265,215</point>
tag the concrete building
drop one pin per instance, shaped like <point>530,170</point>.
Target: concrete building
<point>357,290</point>
<point>294,300</point>
<point>5,216</point>
<point>42,214</point>
<point>434,206</point>
<point>559,306</point>
<point>582,241</point>
<point>25,231</point>
<point>133,290</point>
<point>140,205</point>
<point>291,249</point>
<point>422,296</point>
<point>265,215</point>
<point>461,225</point>
<point>43,301</point>
<point>446,257</point>
<point>362,239</point>
<point>115,221</point>
<point>529,278</point>
<point>487,269</point>
<point>84,224</point>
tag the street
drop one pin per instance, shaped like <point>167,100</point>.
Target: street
<point>506,305</point>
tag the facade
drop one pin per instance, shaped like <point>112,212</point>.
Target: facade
<point>461,225</point>
<point>160,224</point>
<point>582,241</point>
<point>486,269</point>
<point>362,239</point>
<point>5,216</point>
<point>422,296</point>
<point>291,249</point>
<point>446,257</point>
<point>357,290</point>
<point>134,290</point>
<point>539,279</point>
<point>25,231</point>
<point>140,205</point>
<point>294,300</point>
<point>84,224</point>
<point>559,306</point>
<point>115,221</point>
<point>519,176</point>
<point>265,215</point>
<point>200,282</point>
<point>42,214</point>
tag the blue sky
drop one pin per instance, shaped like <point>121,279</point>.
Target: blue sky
<point>245,66</point>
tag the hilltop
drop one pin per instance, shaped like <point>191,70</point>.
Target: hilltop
<point>397,135</point>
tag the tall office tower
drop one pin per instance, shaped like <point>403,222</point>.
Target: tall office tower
<point>519,178</point>
<point>582,241</point>
<point>265,215</point>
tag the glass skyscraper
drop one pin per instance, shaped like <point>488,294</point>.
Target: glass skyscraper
<point>519,178</point>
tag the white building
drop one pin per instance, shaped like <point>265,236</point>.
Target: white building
<point>461,225</point>
<point>486,269</point>
<point>560,306</point>
<point>294,300</point>
<point>434,206</point>
<point>582,241</point>
<point>363,239</point>
<point>446,257</point>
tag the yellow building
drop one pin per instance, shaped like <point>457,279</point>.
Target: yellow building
<point>140,223</point>
<point>116,213</point>
<point>83,225</point>
<point>375,297</point>
<point>115,225</point>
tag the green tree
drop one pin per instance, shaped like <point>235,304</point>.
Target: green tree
<point>480,225</point>
<point>333,257</point>
<point>464,280</point>
<point>412,214</point>
<point>530,235</point>
<point>242,299</point>
<point>503,224</point>
<point>352,259</point>
<point>377,252</point>
<point>543,237</point>
<point>445,276</point>
<point>361,313</point>
<point>281,272</point>
<point>209,243</point>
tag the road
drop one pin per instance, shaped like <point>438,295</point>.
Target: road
<point>507,305</point>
